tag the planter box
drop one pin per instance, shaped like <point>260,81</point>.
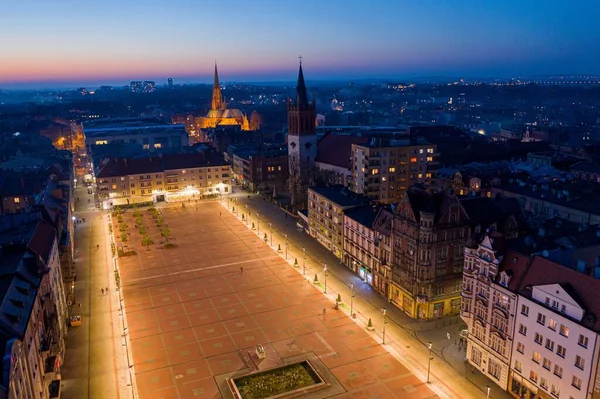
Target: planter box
<point>278,383</point>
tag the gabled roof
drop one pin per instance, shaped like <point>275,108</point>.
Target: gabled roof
<point>587,288</point>
<point>42,240</point>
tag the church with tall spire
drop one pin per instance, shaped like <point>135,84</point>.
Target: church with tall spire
<point>302,142</point>
<point>220,115</point>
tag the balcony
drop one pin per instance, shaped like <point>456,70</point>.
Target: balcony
<point>51,366</point>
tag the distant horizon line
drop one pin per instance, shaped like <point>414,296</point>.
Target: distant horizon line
<point>65,85</point>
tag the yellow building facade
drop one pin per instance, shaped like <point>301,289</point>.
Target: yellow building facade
<point>419,307</point>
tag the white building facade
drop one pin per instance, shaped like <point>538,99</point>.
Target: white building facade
<point>554,355</point>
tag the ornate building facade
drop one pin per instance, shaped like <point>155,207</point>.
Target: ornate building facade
<point>302,143</point>
<point>430,232</point>
<point>488,307</point>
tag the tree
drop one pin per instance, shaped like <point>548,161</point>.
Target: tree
<point>124,237</point>
<point>166,233</point>
<point>146,241</point>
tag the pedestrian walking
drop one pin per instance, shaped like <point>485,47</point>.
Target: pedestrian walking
<point>220,213</point>
<point>102,291</point>
<point>97,246</point>
<point>324,311</point>
<point>107,290</point>
<point>241,270</point>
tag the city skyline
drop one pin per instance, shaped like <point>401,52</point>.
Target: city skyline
<point>69,43</point>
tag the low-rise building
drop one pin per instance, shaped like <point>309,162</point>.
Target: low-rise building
<point>169,177</point>
<point>262,169</point>
<point>326,206</point>
<point>150,134</point>
<point>570,201</point>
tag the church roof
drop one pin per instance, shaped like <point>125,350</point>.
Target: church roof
<point>302,97</point>
<point>224,113</point>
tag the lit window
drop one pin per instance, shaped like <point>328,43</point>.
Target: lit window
<point>157,145</point>
<point>583,341</point>
<point>17,200</point>
<point>421,151</point>
<point>413,160</point>
<point>564,330</point>
<point>429,159</point>
<point>420,175</point>
<point>375,171</point>
<point>392,169</point>
<point>430,150</point>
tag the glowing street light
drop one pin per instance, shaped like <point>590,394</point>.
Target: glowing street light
<point>325,273</point>
<point>258,222</point>
<point>352,300</point>
<point>271,227</point>
<point>286,246</point>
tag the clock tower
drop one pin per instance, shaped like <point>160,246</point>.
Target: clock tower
<point>302,142</point>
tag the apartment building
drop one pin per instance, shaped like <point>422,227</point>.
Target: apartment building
<point>169,177</point>
<point>385,168</point>
<point>556,350</point>
<point>430,232</point>
<point>326,206</point>
<point>488,306</point>
<point>33,311</point>
<point>367,251</point>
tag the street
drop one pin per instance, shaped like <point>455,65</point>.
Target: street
<point>94,367</point>
<point>411,336</point>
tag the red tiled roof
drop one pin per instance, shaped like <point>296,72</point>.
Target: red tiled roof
<point>515,265</point>
<point>334,149</point>
<point>42,240</point>
<point>136,166</point>
<point>542,271</point>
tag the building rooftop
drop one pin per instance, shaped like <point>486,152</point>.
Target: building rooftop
<point>364,215</point>
<point>542,271</point>
<point>340,196</point>
<point>334,149</point>
<point>115,167</point>
<point>133,130</point>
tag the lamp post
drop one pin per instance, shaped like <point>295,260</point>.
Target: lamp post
<point>429,364</point>
<point>352,300</point>
<point>286,246</point>
<point>258,222</point>
<point>228,203</point>
<point>304,261</point>
<point>354,266</point>
<point>271,227</point>
<point>488,392</point>
<point>325,273</point>
<point>383,312</point>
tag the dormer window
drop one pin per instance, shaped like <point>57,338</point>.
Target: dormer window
<point>504,279</point>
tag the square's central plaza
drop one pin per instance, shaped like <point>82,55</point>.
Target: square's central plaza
<point>196,312</point>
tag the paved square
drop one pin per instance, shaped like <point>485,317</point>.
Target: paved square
<point>196,311</point>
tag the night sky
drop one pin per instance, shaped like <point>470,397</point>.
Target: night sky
<point>115,41</point>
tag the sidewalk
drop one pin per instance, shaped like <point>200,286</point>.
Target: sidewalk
<point>406,338</point>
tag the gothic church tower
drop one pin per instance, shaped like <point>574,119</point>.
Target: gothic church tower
<point>302,143</point>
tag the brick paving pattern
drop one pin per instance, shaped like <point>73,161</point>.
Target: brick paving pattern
<point>194,314</point>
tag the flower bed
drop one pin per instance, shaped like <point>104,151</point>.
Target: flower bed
<point>278,382</point>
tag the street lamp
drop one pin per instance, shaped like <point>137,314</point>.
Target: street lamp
<point>258,222</point>
<point>286,246</point>
<point>304,261</point>
<point>271,227</point>
<point>383,312</point>
<point>325,273</point>
<point>488,392</point>
<point>429,364</point>
<point>352,300</point>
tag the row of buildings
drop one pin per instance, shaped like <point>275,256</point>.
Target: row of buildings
<point>412,252</point>
<point>36,280</point>
<point>532,318</point>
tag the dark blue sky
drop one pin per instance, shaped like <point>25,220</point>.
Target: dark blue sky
<point>114,41</point>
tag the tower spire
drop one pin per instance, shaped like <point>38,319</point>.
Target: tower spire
<point>217,97</point>
<point>302,97</point>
